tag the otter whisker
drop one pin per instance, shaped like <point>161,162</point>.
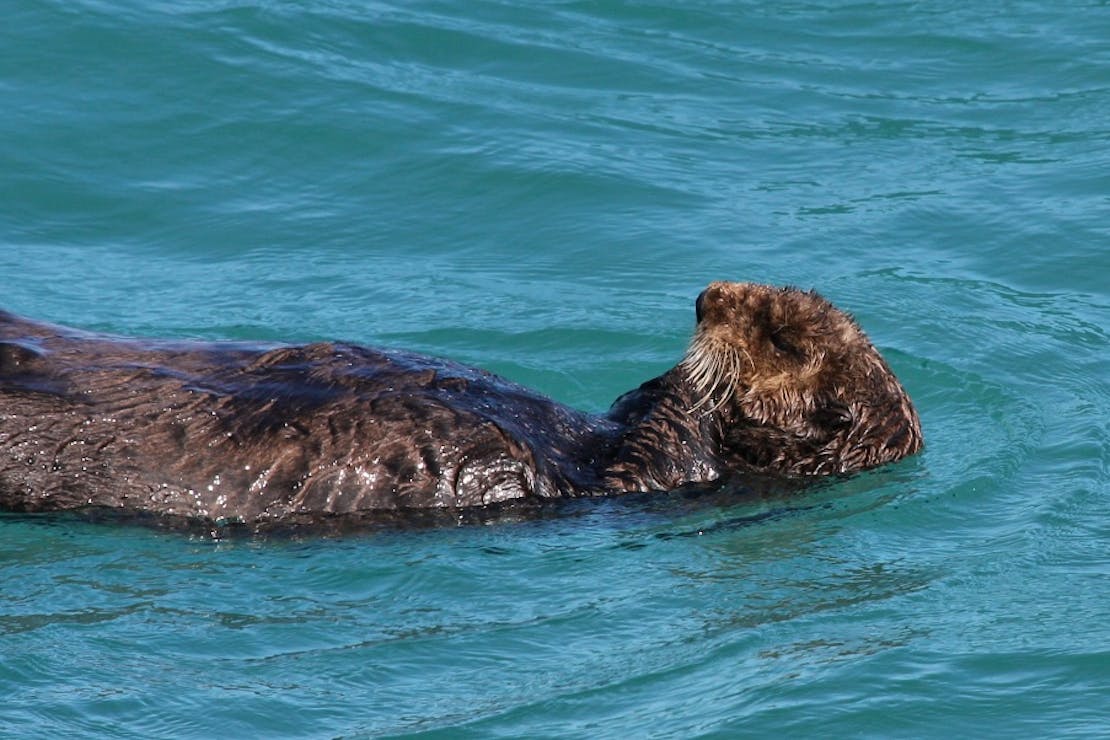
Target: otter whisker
<point>747,354</point>
<point>725,376</point>
<point>712,369</point>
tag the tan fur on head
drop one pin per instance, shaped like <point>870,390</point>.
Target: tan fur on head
<point>794,365</point>
<point>764,339</point>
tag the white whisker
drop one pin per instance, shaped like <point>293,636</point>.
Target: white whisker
<point>712,369</point>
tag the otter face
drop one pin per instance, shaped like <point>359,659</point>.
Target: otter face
<point>797,386</point>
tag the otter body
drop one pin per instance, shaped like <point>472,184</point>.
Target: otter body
<point>235,432</point>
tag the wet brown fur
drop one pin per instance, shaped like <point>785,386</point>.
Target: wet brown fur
<point>776,381</point>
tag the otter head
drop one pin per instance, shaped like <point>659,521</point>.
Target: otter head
<point>796,385</point>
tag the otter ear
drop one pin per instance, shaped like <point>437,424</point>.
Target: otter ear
<point>834,416</point>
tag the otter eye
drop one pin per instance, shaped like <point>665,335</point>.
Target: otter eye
<point>782,344</point>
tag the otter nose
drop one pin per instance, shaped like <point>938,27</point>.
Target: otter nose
<point>708,297</point>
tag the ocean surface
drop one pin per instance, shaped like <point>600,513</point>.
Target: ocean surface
<point>542,189</point>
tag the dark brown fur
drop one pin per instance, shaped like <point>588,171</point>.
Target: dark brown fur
<point>776,381</point>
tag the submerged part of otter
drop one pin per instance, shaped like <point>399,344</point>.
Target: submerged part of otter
<point>776,381</point>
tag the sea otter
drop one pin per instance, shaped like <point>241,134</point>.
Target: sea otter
<point>776,381</point>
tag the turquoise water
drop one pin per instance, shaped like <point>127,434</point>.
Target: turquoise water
<point>541,189</point>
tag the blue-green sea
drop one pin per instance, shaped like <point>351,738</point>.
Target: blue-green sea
<point>541,188</point>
